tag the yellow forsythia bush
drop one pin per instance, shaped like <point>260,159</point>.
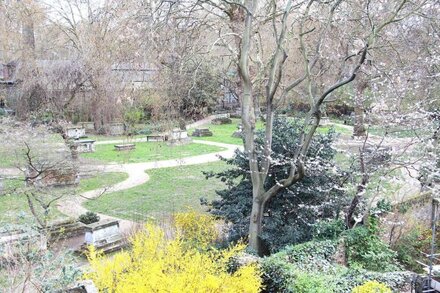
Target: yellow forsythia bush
<point>196,228</point>
<point>158,264</point>
<point>372,287</point>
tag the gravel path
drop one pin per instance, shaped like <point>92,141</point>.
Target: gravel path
<point>136,176</point>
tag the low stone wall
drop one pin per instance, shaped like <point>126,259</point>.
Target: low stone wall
<point>57,176</point>
<point>88,126</point>
<point>115,128</point>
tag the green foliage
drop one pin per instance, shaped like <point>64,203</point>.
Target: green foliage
<point>143,131</point>
<point>88,218</point>
<point>328,229</point>
<point>133,115</point>
<point>366,250</point>
<point>312,283</point>
<point>38,270</point>
<point>311,263</point>
<point>280,271</point>
<point>290,215</point>
<point>409,246</point>
<point>372,287</point>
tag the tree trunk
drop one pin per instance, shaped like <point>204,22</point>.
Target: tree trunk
<point>256,227</point>
<point>359,128</point>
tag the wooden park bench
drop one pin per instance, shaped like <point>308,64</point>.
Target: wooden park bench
<point>125,147</point>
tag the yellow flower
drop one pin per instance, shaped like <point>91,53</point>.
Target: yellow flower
<point>187,263</point>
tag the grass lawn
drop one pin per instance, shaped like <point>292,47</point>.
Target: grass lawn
<point>168,190</point>
<point>9,160</point>
<point>149,151</point>
<point>398,132</point>
<point>223,133</point>
<point>14,208</point>
<point>336,127</point>
<point>101,180</point>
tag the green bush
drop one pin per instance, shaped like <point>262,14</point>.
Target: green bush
<point>366,250</point>
<point>330,229</point>
<point>312,283</point>
<point>311,264</point>
<point>409,245</point>
<point>88,218</point>
<point>281,270</point>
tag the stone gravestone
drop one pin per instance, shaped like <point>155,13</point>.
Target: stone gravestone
<point>178,136</point>
<point>85,146</point>
<point>324,121</point>
<point>125,147</point>
<point>104,235</point>
<point>239,132</point>
<point>75,132</point>
<point>199,132</point>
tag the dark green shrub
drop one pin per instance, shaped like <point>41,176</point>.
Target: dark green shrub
<point>88,218</point>
<point>289,215</point>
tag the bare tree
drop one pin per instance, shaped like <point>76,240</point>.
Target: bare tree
<point>312,39</point>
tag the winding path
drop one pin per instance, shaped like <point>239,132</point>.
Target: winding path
<point>72,207</point>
